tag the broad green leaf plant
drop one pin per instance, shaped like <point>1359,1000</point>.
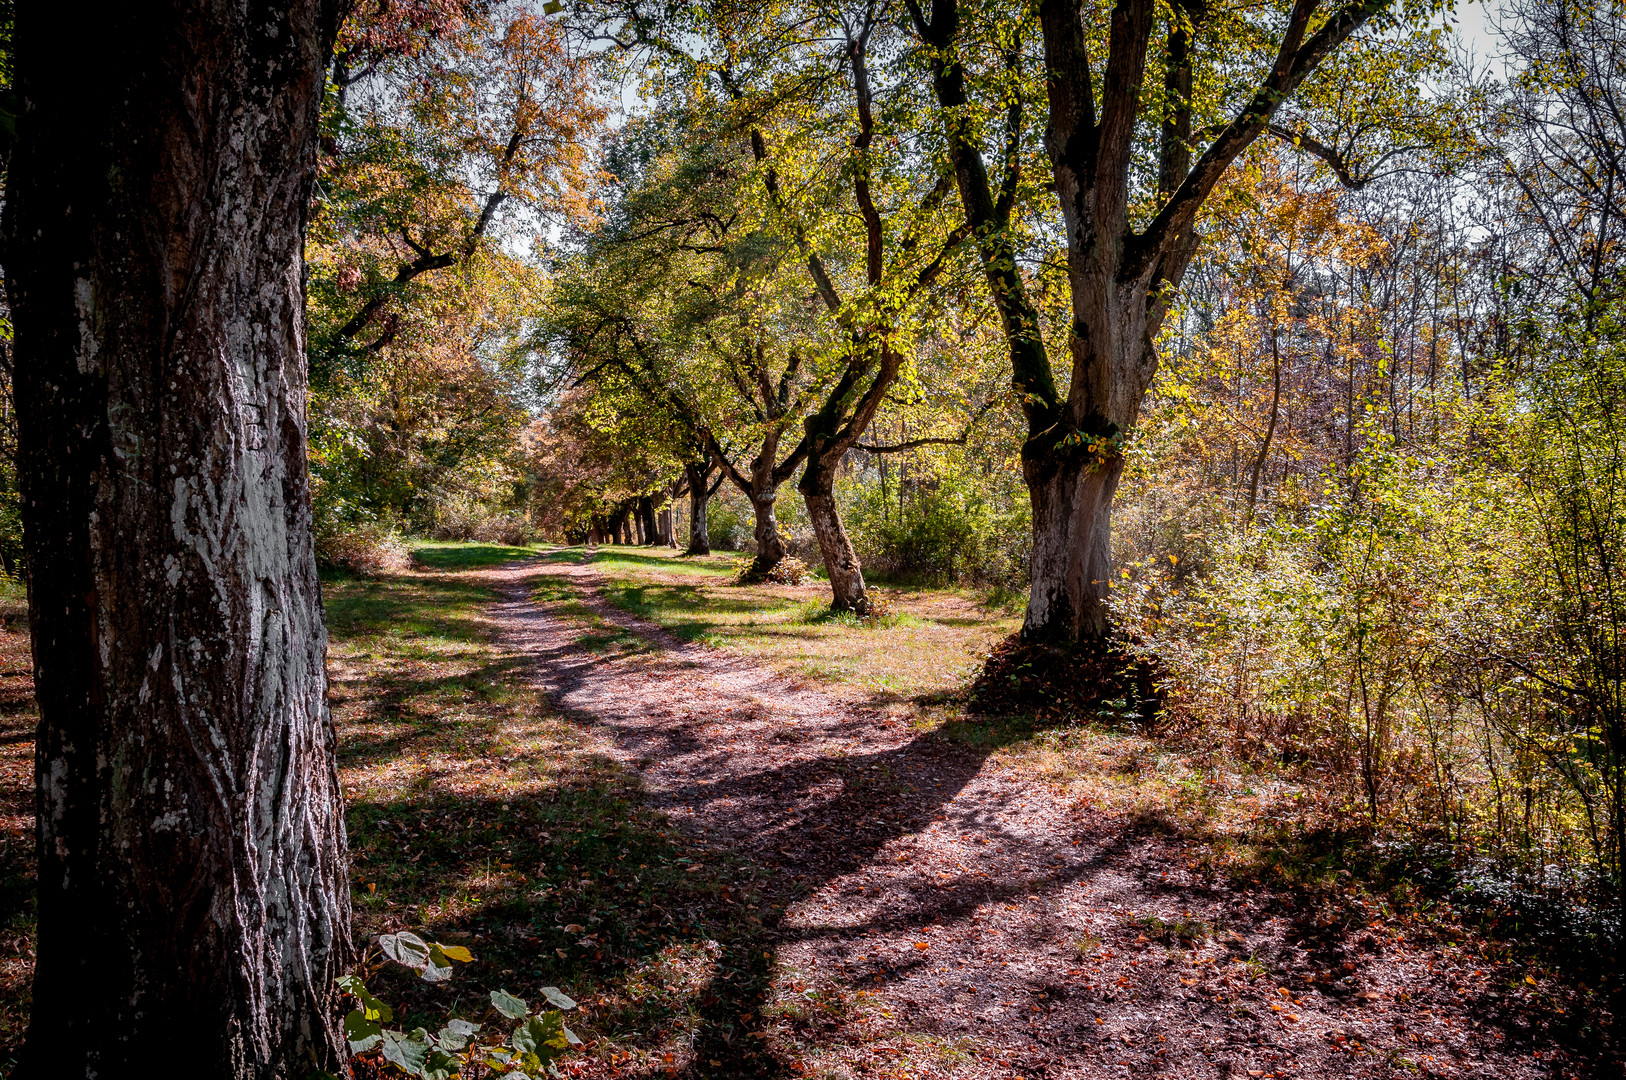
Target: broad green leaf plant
<point>531,1048</point>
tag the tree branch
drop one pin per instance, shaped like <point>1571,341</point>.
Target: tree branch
<point>970,425</point>
<point>1335,160</point>
<point>1163,250</point>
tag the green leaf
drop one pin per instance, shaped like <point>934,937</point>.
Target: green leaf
<point>410,1053</point>
<point>552,7</point>
<point>509,1005</point>
<point>375,1009</point>
<point>558,997</point>
<point>436,968</point>
<point>456,1034</point>
<point>361,1032</point>
<point>543,1036</point>
<point>442,1066</point>
<point>405,948</point>
<point>371,1007</point>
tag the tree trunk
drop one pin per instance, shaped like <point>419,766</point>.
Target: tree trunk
<point>647,525</point>
<point>699,496</point>
<point>1072,547</point>
<point>840,559</point>
<point>770,545</point>
<point>194,898</point>
<point>1073,456</point>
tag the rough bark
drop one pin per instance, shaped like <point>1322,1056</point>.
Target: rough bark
<point>831,432</point>
<point>770,545</point>
<point>194,902</point>
<point>1072,546</point>
<point>699,497</point>
<point>840,560</point>
<point>617,528</point>
<point>762,488</point>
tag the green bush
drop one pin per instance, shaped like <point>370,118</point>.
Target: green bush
<point>727,526</point>
<point>951,529</point>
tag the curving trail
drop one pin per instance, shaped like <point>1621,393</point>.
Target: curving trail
<point>958,892</point>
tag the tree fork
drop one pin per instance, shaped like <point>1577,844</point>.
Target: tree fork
<point>194,898</point>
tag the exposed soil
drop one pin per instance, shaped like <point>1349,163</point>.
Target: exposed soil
<point>1018,935</point>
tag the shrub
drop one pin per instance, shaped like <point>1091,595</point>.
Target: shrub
<point>953,530</point>
<point>363,547</point>
<point>787,571</point>
<point>459,518</point>
<point>727,528</point>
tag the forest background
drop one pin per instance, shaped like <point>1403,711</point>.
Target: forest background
<point>1370,520</point>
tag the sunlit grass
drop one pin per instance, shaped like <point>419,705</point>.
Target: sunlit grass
<point>455,555</point>
<point>927,642</point>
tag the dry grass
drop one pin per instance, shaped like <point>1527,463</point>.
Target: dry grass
<point>927,643</point>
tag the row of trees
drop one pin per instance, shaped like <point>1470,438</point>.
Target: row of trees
<point>793,231</point>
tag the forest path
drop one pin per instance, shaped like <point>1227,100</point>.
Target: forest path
<point>978,925</point>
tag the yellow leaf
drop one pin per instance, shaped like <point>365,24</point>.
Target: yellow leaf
<point>456,952</point>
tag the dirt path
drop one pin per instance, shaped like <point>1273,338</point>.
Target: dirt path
<point>985,921</point>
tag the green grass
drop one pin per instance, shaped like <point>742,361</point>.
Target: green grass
<point>927,642</point>
<point>453,555</point>
<point>610,559</point>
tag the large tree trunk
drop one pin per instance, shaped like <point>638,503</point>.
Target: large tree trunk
<point>194,902</point>
<point>1072,547</point>
<point>835,547</point>
<point>699,496</point>
<point>1122,278</point>
<point>770,545</point>
<point>1072,467</point>
<point>762,488</point>
<point>618,525</point>
<point>666,516</point>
